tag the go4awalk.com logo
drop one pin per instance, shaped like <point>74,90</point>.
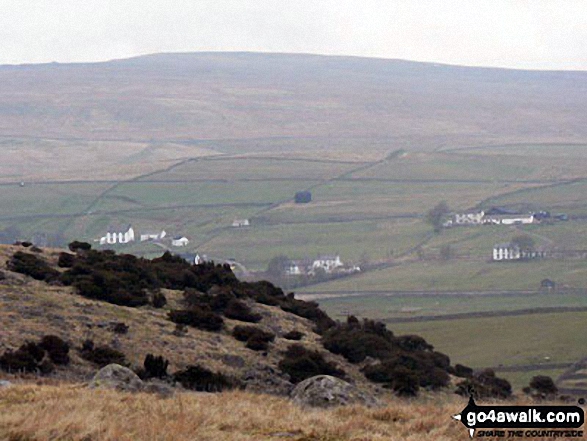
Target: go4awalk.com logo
<point>522,421</point>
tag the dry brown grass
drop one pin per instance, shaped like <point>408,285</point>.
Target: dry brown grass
<point>71,412</point>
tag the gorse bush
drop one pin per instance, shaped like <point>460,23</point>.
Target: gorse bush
<point>200,317</point>
<point>57,349</point>
<point>301,363</point>
<point>238,310</point>
<point>201,379</point>
<point>101,355</point>
<point>33,266</point>
<point>293,335</point>
<point>155,366</point>
<point>485,385</point>
<point>256,338</point>
<point>36,357</point>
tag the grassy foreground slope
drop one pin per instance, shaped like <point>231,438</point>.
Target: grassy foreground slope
<point>72,412</point>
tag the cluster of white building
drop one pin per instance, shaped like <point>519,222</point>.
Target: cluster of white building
<point>126,234</point>
<point>511,251</point>
<point>482,218</point>
<point>328,264</point>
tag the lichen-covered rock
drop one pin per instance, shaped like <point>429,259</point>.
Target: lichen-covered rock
<point>115,376</point>
<point>327,391</point>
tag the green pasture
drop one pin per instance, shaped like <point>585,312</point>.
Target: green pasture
<point>507,341</point>
<point>161,194</point>
<point>569,198</point>
<point>353,241</point>
<point>231,169</point>
<point>462,275</point>
<point>384,307</point>
<point>530,150</point>
<point>35,199</point>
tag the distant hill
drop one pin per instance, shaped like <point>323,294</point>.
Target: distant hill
<point>203,96</point>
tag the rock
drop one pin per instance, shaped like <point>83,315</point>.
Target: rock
<point>327,391</point>
<point>5,383</point>
<point>115,376</point>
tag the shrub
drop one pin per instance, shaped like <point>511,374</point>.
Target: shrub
<point>65,260</point>
<point>197,317</point>
<point>293,335</point>
<point>356,341</point>
<point>239,310</point>
<point>485,385</point>
<point>413,343</point>
<point>120,328</point>
<point>422,366</point>
<point>101,355</point>
<point>158,300</point>
<point>310,311</point>
<point>300,363</point>
<point>30,357</point>
<point>201,379</point>
<point>541,387</point>
<point>256,338</point>
<point>32,266</point>
<point>79,246</point>
<point>463,371</point>
<point>57,349</point>
<point>155,366</point>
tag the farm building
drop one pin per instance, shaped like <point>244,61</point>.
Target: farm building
<point>327,263</point>
<point>117,234</point>
<point>510,251</point>
<point>506,251</point>
<point>179,241</point>
<point>469,218</point>
<point>509,219</point>
<point>237,223</point>
<point>153,236</point>
<point>303,197</point>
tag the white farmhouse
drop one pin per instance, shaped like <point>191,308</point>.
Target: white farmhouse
<point>237,223</point>
<point>116,234</point>
<point>327,263</point>
<point>508,219</point>
<point>179,241</point>
<point>506,251</point>
<point>469,218</point>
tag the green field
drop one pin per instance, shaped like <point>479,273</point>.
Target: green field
<point>407,306</point>
<point>462,275</point>
<point>507,341</point>
<point>366,211</point>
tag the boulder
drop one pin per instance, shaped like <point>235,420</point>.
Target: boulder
<point>328,391</point>
<point>115,376</point>
<point>5,383</point>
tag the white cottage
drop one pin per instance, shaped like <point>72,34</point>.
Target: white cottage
<point>506,251</point>
<point>116,234</point>
<point>327,263</point>
<point>179,241</point>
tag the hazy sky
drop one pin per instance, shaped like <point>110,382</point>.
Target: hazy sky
<point>536,34</point>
